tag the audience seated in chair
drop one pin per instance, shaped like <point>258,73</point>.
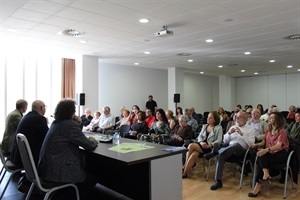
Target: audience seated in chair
<point>139,126</point>
<point>87,117</point>
<point>195,115</point>
<point>150,118</point>
<point>125,118</point>
<point>223,115</point>
<point>170,117</point>
<point>210,133</point>
<point>158,129</point>
<point>94,122</point>
<point>11,124</point>
<point>181,132</point>
<point>133,114</point>
<point>274,150</point>
<point>106,121</point>
<point>235,143</point>
<point>260,127</point>
<point>60,158</point>
<point>192,122</point>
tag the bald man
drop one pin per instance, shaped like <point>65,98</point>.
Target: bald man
<point>34,127</point>
<point>11,124</point>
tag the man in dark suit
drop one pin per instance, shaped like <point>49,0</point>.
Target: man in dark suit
<point>34,127</point>
<point>11,124</point>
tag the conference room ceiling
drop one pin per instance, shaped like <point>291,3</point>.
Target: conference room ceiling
<point>112,31</point>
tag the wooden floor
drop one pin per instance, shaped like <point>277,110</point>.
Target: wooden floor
<point>196,187</point>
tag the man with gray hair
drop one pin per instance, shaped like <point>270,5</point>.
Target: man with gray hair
<point>192,122</point>
<point>106,121</point>
<point>11,124</point>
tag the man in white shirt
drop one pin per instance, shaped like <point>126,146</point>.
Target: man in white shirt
<point>106,121</point>
<point>259,127</point>
<point>235,143</point>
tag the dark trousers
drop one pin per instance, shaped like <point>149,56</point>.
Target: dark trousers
<point>268,160</point>
<point>224,154</point>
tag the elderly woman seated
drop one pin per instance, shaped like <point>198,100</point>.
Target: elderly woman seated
<point>180,133</point>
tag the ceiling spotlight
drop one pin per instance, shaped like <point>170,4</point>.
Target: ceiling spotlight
<point>298,70</point>
<point>289,66</point>
<point>83,41</point>
<point>247,53</point>
<point>201,72</point>
<point>144,21</point>
<point>255,73</point>
<point>243,70</point>
<point>146,52</point>
<point>209,40</point>
<point>136,63</point>
<point>220,66</point>
<point>190,61</point>
<point>271,61</point>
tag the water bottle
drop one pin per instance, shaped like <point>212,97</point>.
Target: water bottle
<point>116,138</point>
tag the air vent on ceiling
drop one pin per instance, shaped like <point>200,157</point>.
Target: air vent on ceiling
<point>73,33</point>
<point>293,37</point>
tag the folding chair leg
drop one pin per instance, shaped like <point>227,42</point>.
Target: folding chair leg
<point>2,177</point>
<point>30,191</point>
<point>6,185</point>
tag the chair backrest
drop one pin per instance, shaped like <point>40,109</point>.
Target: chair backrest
<point>27,159</point>
<point>125,128</point>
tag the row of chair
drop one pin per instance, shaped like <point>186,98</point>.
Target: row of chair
<point>30,171</point>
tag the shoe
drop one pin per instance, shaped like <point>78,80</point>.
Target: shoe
<point>268,180</point>
<point>251,194</point>
<point>217,185</point>
<point>208,156</point>
<point>184,176</point>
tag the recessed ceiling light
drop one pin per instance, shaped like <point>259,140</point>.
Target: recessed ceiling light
<point>83,41</point>
<point>146,52</point>
<point>190,60</point>
<point>209,40</point>
<point>271,61</point>
<point>298,70</point>
<point>243,70</point>
<point>220,66</point>
<point>247,53</point>
<point>255,73</point>
<point>289,66</point>
<point>144,21</point>
<point>136,63</point>
<point>201,72</point>
<point>12,30</point>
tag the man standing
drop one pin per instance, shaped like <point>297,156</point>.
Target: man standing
<point>235,143</point>
<point>34,127</point>
<point>151,104</point>
<point>11,124</point>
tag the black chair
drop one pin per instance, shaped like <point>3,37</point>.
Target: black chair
<point>125,128</point>
<point>31,171</point>
<point>284,113</point>
<point>286,167</point>
<point>237,161</point>
<point>7,167</point>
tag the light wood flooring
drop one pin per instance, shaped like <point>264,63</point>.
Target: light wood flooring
<point>196,187</point>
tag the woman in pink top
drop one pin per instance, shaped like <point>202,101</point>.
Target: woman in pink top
<point>274,150</point>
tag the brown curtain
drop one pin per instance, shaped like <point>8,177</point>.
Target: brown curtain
<point>68,78</point>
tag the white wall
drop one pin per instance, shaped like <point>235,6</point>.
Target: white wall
<point>121,85</point>
<point>201,92</point>
<point>281,90</point>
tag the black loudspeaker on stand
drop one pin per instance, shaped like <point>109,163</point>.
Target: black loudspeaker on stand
<point>176,100</point>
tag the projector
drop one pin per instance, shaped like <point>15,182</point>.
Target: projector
<point>163,33</point>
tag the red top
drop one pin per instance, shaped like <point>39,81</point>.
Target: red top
<point>150,120</point>
<point>272,140</point>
